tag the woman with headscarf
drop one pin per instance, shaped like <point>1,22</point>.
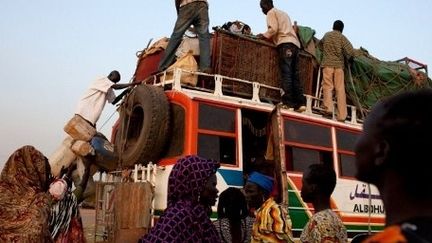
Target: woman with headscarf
<point>234,223</point>
<point>24,201</point>
<point>191,193</point>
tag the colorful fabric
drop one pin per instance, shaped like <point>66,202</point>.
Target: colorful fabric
<point>93,101</point>
<point>272,224</point>
<point>65,220</point>
<point>280,29</point>
<point>413,230</point>
<point>224,230</point>
<point>335,47</point>
<point>24,202</point>
<point>265,182</point>
<point>324,226</point>
<point>185,219</point>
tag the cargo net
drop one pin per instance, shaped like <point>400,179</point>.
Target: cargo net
<point>373,79</point>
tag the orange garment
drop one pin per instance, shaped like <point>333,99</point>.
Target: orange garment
<point>392,234</point>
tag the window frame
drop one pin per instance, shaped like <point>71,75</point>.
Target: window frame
<point>219,133</point>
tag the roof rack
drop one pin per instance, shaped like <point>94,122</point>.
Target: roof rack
<point>220,86</point>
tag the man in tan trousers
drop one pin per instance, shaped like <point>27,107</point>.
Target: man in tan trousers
<point>336,49</point>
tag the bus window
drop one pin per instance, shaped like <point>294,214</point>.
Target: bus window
<point>347,165</point>
<point>217,133</point>
<point>300,132</point>
<point>176,142</point>
<point>216,118</point>
<point>301,158</point>
<point>346,140</point>
<point>217,147</point>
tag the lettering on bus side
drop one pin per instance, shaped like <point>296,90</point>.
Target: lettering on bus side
<point>365,208</point>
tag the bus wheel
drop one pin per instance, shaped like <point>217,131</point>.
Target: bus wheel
<point>144,126</point>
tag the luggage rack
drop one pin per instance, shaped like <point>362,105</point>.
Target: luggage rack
<point>221,87</point>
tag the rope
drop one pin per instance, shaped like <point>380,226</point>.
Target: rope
<point>357,100</point>
<point>109,118</point>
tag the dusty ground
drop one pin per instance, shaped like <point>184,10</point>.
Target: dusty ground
<point>88,218</point>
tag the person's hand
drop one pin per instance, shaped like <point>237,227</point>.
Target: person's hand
<point>70,170</point>
<point>137,82</point>
<point>262,37</point>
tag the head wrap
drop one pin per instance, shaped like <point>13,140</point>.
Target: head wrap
<point>24,207</point>
<point>185,219</point>
<point>263,181</point>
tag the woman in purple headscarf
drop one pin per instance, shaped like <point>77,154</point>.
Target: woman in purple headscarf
<point>191,193</point>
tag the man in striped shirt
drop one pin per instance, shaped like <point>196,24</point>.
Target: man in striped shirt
<point>336,49</point>
<point>189,12</point>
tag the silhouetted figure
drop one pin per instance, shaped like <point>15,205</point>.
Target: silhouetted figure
<point>393,153</point>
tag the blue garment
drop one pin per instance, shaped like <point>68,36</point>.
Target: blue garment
<point>293,89</point>
<point>265,182</point>
<point>196,14</point>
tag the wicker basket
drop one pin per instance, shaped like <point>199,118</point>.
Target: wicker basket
<point>244,58</point>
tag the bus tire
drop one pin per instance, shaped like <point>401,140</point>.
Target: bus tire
<point>144,126</point>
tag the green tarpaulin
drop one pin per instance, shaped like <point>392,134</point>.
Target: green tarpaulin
<point>373,79</point>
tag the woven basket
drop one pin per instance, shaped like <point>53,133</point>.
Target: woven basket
<point>244,58</point>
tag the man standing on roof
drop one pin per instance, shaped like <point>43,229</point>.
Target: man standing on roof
<point>336,48</point>
<point>91,104</point>
<point>189,12</point>
<point>281,32</point>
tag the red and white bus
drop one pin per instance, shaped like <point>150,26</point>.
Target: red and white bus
<point>162,120</point>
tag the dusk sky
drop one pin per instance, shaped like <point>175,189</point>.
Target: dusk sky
<point>50,51</point>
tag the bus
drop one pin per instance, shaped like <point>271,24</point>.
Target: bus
<point>163,119</point>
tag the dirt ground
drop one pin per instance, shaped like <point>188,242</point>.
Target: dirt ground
<point>88,218</point>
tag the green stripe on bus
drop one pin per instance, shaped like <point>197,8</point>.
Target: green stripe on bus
<point>298,214</point>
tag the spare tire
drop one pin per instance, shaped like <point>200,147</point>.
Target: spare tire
<point>144,126</point>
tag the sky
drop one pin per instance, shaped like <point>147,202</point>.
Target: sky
<point>50,50</point>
